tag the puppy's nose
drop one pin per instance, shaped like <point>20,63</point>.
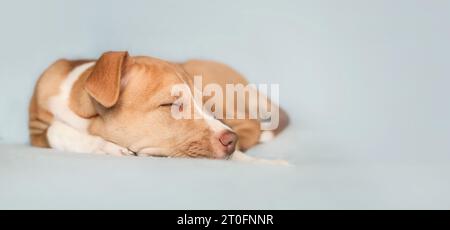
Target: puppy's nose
<point>228,139</point>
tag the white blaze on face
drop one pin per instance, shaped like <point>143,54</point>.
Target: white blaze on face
<point>214,124</point>
<point>187,99</point>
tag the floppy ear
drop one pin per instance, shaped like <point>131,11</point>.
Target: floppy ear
<point>104,82</point>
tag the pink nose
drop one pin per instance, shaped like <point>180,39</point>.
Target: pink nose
<point>228,140</point>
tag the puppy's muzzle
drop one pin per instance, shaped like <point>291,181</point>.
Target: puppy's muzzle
<point>224,143</point>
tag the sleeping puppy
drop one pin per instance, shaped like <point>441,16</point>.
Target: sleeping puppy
<point>127,105</point>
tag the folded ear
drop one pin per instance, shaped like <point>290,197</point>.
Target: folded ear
<point>104,82</point>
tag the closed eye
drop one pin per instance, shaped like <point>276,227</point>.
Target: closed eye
<point>180,106</point>
<point>166,104</point>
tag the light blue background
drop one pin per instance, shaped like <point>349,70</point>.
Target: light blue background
<point>366,82</point>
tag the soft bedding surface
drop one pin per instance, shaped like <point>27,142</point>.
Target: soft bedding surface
<point>40,178</point>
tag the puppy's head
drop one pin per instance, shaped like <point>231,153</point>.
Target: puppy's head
<point>134,102</point>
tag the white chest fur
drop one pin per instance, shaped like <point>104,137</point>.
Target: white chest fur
<point>68,131</point>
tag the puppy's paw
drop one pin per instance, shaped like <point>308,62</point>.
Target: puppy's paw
<point>239,156</point>
<point>266,136</point>
<point>127,152</point>
<point>114,149</point>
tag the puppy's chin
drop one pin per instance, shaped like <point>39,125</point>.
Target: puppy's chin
<point>192,152</point>
<point>220,156</point>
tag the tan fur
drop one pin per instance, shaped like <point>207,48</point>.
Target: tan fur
<point>47,86</point>
<point>122,97</point>
<point>139,115</point>
<point>103,84</point>
<point>80,102</point>
<point>248,130</point>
